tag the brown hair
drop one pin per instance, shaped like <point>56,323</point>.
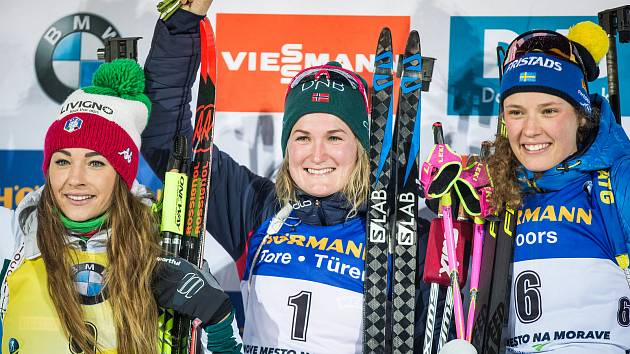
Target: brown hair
<point>503,164</point>
<point>355,190</point>
<point>132,247</point>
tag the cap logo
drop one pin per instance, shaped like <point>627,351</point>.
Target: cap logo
<point>526,76</point>
<point>535,61</point>
<point>73,124</point>
<point>126,154</point>
<point>328,84</point>
<point>320,97</point>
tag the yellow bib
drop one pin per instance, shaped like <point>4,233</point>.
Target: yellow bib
<point>31,324</point>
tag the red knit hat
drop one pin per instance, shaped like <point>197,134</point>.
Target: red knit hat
<point>107,117</point>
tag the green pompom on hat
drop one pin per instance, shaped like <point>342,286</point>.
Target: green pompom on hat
<point>328,89</point>
<point>122,78</point>
<point>107,117</point>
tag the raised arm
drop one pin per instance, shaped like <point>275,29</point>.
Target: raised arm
<point>240,200</point>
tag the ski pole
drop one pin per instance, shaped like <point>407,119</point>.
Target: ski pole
<point>473,189</point>
<point>447,218</point>
<point>438,174</point>
<point>173,205</point>
<point>613,21</point>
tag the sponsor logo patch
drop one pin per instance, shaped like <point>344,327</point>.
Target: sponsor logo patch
<point>73,124</point>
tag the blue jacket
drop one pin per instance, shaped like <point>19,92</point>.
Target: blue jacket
<point>240,201</point>
<point>568,241</point>
<point>610,150</point>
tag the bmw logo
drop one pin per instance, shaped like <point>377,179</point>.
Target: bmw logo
<point>89,279</point>
<point>66,54</point>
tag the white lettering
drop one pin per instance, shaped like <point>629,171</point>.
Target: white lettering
<point>52,35</point>
<point>288,61</point>
<point>233,64</point>
<point>487,95</point>
<point>251,61</point>
<point>109,33</point>
<point>81,24</point>
<point>269,61</point>
<point>274,257</point>
<point>312,59</point>
<point>291,58</point>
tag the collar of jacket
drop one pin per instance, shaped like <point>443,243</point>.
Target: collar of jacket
<point>324,211</point>
<point>26,238</point>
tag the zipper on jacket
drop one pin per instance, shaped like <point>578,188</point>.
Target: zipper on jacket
<point>532,184</point>
<point>320,213</point>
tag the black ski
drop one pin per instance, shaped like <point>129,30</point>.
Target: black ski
<point>407,144</point>
<point>199,174</point>
<point>495,283</point>
<point>377,235</point>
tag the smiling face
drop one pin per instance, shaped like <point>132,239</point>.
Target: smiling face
<point>82,182</point>
<point>542,129</point>
<point>322,153</point>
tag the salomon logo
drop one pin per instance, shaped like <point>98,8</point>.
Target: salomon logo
<point>302,204</point>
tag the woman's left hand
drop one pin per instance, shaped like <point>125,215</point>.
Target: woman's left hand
<point>183,287</point>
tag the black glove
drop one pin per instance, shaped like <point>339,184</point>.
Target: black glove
<point>181,286</point>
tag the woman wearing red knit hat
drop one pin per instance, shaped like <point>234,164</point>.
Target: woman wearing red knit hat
<point>85,274</point>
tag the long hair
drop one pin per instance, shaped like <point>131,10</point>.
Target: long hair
<point>355,190</point>
<point>504,165</point>
<point>132,248</point>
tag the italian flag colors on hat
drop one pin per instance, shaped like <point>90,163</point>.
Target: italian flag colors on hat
<point>107,117</point>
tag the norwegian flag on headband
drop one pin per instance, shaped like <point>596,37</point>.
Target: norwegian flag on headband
<point>320,97</point>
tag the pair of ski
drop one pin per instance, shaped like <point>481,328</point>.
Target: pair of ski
<point>394,149</point>
<point>493,305</point>
<point>186,192</point>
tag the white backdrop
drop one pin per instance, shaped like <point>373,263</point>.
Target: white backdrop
<point>461,34</point>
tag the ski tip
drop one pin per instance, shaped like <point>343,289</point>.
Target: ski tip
<point>413,43</point>
<point>385,40</point>
<point>438,135</point>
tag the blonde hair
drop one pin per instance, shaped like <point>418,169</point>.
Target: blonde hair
<point>503,164</point>
<point>132,247</point>
<point>355,190</point>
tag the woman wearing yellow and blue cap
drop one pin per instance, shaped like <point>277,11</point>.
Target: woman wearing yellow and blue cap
<point>564,166</point>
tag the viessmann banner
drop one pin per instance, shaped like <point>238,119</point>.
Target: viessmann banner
<point>255,68</point>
